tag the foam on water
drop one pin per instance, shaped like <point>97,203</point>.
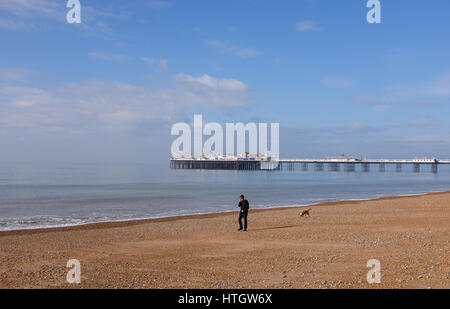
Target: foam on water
<point>44,195</point>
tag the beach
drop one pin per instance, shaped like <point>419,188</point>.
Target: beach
<point>330,249</point>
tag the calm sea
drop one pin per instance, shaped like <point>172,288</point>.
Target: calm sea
<point>46,195</point>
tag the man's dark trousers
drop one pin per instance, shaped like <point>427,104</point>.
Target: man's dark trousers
<point>243,215</point>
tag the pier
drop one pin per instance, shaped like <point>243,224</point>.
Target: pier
<point>318,165</point>
<point>363,165</point>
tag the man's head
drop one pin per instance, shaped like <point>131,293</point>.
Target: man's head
<point>242,197</point>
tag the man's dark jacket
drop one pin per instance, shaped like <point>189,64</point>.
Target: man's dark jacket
<point>244,206</point>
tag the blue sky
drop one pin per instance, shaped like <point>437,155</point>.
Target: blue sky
<point>110,88</point>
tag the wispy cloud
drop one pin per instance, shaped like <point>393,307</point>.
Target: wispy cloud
<point>21,14</point>
<point>308,26</point>
<point>16,74</point>
<point>22,8</point>
<point>162,64</point>
<point>10,24</point>
<point>419,125</point>
<point>440,87</point>
<point>25,96</point>
<point>227,48</point>
<point>158,4</point>
<point>214,83</point>
<point>362,140</point>
<point>108,56</point>
<point>382,105</point>
<point>231,29</point>
<point>337,81</point>
<point>356,126</point>
<point>99,105</point>
<point>376,104</point>
<point>33,14</point>
<point>369,101</point>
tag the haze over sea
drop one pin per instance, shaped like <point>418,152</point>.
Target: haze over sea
<point>49,195</point>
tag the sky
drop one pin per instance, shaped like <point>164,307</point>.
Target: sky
<point>110,88</point>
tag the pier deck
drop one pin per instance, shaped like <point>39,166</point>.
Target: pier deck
<point>334,165</point>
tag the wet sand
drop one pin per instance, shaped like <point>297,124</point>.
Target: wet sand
<point>408,235</point>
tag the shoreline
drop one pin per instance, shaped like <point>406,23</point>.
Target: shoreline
<point>133,222</point>
<point>409,235</point>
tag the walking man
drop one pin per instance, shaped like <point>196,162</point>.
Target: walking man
<point>244,206</point>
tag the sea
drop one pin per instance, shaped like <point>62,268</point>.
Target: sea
<point>41,195</point>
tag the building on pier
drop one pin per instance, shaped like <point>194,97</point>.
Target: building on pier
<point>259,162</point>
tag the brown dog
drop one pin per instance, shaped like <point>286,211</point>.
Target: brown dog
<point>305,213</point>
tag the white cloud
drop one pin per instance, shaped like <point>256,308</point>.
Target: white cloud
<point>440,87</point>
<point>376,104</point>
<point>228,48</point>
<point>308,26</point>
<point>355,126</point>
<point>215,83</point>
<point>25,96</point>
<point>20,14</point>
<point>107,57</point>
<point>121,116</point>
<point>31,7</point>
<point>162,64</point>
<point>32,14</point>
<point>100,105</point>
<point>247,53</point>
<point>16,74</point>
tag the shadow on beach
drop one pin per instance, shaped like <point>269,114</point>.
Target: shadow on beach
<point>272,228</point>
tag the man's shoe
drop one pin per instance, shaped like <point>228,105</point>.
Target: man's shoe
<point>239,229</point>
<point>245,230</point>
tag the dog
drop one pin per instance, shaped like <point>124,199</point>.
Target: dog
<point>305,213</point>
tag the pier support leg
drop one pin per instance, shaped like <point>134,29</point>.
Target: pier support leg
<point>416,168</point>
<point>318,167</point>
<point>366,167</point>
<point>398,167</point>
<point>382,167</point>
<point>434,168</point>
<point>305,167</point>
<point>334,167</point>
<point>349,167</point>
